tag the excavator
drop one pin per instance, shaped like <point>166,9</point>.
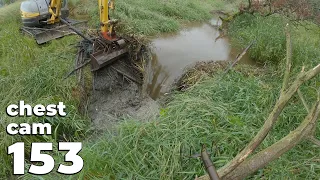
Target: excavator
<point>41,19</point>
<point>46,20</point>
<point>36,13</point>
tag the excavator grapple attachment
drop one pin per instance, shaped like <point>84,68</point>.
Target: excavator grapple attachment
<point>101,58</point>
<point>104,57</point>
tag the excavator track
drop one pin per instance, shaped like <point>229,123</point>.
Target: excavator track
<point>51,32</point>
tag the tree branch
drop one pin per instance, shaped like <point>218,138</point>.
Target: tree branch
<point>285,95</point>
<point>314,140</point>
<point>238,58</point>
<point>272,118</point>
<point>208,164</point>
<point>288,62</point>
<point>312,135</point>
<point>274,151</point>
<point>303,100</point>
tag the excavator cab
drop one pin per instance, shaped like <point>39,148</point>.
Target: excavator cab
<point>36,13</point>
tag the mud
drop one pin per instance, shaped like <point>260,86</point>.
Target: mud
<point>117,96</point>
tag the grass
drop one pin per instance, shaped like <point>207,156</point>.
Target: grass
<point>222,113</point>
<point>152,17</point>
<point>9,12</point>
<point>271,41</point>
<point>36,75</point>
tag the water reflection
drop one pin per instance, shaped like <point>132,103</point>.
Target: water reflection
<point>158,79</point>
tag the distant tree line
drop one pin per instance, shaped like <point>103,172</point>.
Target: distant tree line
<point>294,9</point>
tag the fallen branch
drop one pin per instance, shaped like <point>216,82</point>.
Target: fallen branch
<point>77,68</point>
<point>208,164</point>
<point>273,116</point>
<point>303,101</point>
<point>285,95</point>
<point>274,151</point>
<point>222,35</point>
<point>239,58</point>
<point>288,62</point>
<point>314,140</point>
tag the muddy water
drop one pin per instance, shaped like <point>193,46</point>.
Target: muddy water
<point>172,53</point>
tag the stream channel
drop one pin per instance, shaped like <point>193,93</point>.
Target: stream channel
<point>172,53</point>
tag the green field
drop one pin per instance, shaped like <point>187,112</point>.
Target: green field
<point>222,113</point>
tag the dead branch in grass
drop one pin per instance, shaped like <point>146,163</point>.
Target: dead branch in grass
<point>314,140</point>
<point>238,58</point>
<point>274,151</point>
<point>305,104</point>
<point>208,164</point>
<point>240,166</point>
<point>289,60</point>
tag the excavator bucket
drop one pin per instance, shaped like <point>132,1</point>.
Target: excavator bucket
<point>46,34</point>
<point>102,58</point>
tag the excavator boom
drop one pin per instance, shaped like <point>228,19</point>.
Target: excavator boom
<point>55,11</point>
<point>115,48</point>
<point>107,25</point>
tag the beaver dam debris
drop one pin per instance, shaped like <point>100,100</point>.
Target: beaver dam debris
<point>118,91</point>
<point>118,86</point>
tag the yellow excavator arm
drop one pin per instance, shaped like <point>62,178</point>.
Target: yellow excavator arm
<point>107,25</point>
<point>55,10</point>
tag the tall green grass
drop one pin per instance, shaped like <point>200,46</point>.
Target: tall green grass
<point>269,33</point>
<point>152,17</point>
<point>9,12</point>
<point>35,74</point>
